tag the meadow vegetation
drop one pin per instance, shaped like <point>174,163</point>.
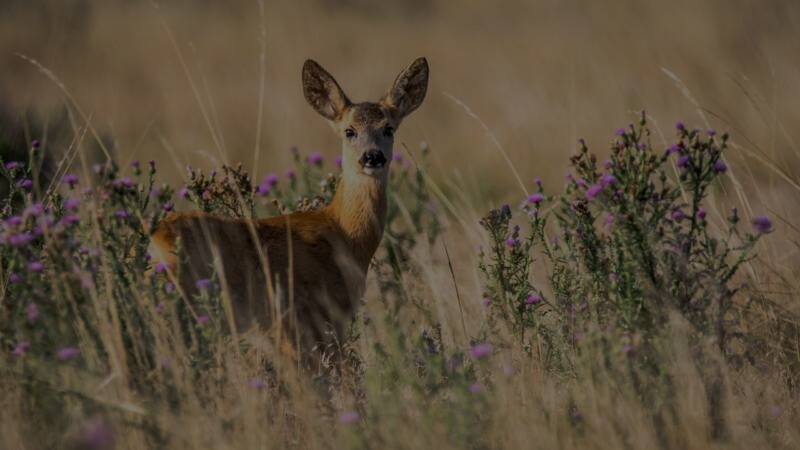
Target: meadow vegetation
<point>649,299</point>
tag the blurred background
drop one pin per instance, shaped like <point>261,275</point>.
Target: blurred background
<point>198,82</point>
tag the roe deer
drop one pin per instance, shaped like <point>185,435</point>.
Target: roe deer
<point>313,264</point>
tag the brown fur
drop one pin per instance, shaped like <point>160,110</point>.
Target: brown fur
<point>316,261</point>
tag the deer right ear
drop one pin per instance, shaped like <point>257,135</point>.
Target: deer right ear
<point>322,92</point>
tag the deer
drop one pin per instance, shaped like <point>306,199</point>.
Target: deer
<point>306,271</point>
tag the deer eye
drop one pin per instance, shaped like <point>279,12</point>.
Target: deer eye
<point>388,131</point>
<point>350,133</point>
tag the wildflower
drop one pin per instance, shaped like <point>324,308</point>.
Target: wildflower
<point>677,215</point>
<point>168,207</point>
<point>315,159</point>
<point>70,180</point>
<point>675,148</point>
<point>169,287</point>
<point>155,192</point>
<point>475,388</point>
<point>627,348</point>
<point>152,165</point>
<point>96,434</point>
<point>34,210</point>
<point>35,144</point>
<point>290,174</point>
<point>620,132</point>
<point>271,180</point>
<point>684,161</point>
<point>21,348</point>
<point>20,240</point>
<point>71,204</point>
<point>607,180</point>
<point>536,198</point>
<point>762,224</point>
<point>512,242</point>
<point>67,353</point>
<point>183,193</point>
<point>13,221</point>
<point>32,313</point>
<point>14,278</point>
<point>641,146</point>
<point>136,166</point>
<point>124,183</point>
<point>581,182</point>
<point>593,192</point>
<point>680,126</point>
<point>26,184</point>
<point>533,299</point>
<point>202,319</point>
<point>720,166</point>
<point>481,351</point>
<point>12,165</point>
<point>711,132</point>
<point>349,417</point>
<point>338,162</point>
<point>206,195</point>
<point>35,266</point>
<point>609,221</point>
<point>121,214</point>
<point>701,214</point>
<point>256,383</point>
<point>161,267</point>
<point>263,190</point>
<point>203,284</point>
<point>538,182</point>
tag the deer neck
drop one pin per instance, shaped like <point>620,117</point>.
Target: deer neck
<point>359,208</point>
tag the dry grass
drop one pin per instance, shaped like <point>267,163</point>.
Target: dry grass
<point>183,83</point>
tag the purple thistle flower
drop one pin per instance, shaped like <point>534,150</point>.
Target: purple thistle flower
<point>581,182</point>
<point>25,184</point>
<point>13,221</point>
<point>35,267</point>
<point>607,180</point>
<point>32,312</point>
<point>533,299</point>
<point>183,193</point>
<point>67,353</point>
<point>762,224</point>
<point>271,180</point>
<point>70,180</point>
<point>34,210</point>
<point>512,242</point>
<point>683,161</point>
<point>14,278</point>
<point>290,174</point>
<point>720,166</point>
<point>257,383</point>
<point>481,351</point>
<point>315,159</point>
<point>608,164</point>
<point>12,165</point>
<point>538,182</point>
<point>136,165</point>
<point>21,348</point>
<point>263,190</point>
<point>641,146</point>
<point>338,161</point>
<point>609,221</point>
<point>675,148</point>
<point>169,287</point>
<point>152,165</point>
<point>711,132</point>
<point>20,240</point>
<point>161,267</point>
<point>349,417</point>
<point>677,215</point>
<point>96,434</point>
<point>620,132</point>
<point>701,214</point>
<point>202,319</point>
<point>121,214</point>
<point>71,204</point>
<point>35,144</point>
<point>593,192</point>
<point>536,198</point>
<point>475,388</point>
<point>680,126</point>
<point>203,284</point>
<point>168,207</point>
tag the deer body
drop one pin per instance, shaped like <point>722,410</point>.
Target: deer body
<point>308,267</point>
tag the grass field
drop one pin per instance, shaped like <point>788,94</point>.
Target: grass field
<point>648,299</point>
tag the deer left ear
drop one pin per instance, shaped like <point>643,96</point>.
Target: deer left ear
<point>409,88</point>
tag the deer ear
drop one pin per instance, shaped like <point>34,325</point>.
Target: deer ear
<point>408,90</point>
<point>322,91</point>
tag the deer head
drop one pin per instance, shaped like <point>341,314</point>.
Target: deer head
<point>367,129</point>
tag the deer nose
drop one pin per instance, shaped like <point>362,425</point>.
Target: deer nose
<point>372,159</point>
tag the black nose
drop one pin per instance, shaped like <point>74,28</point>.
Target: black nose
<point>372,159</point>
